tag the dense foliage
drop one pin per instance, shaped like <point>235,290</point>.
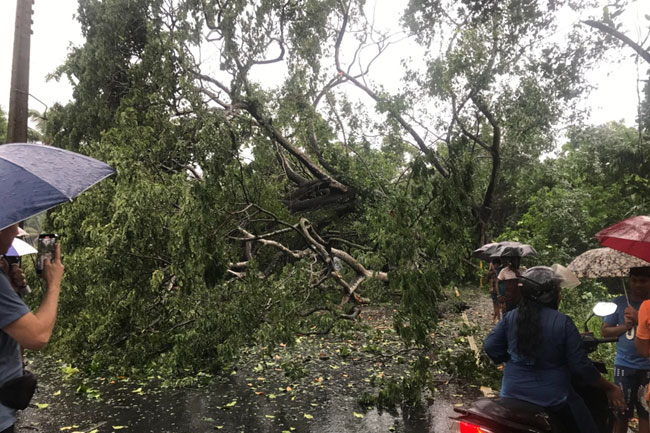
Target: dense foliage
<point>248,209</point>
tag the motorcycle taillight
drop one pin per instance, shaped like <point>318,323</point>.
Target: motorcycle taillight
<point>467,427</point>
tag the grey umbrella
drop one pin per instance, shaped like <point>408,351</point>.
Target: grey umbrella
<point>484,252</point>
<point>519,250</point>
<point>36,177</point>
<point>503,249</point>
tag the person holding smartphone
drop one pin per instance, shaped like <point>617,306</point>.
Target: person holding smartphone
<point>20,327</point>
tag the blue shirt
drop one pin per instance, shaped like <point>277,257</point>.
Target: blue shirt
<point>12,308</point>
<point>546,382</point>
<point>626,354</point>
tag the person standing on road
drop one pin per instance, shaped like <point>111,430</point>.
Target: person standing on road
<point>494,289</point>
<point>508,283</point>
<point>20,327</point>
<point>631,370</point>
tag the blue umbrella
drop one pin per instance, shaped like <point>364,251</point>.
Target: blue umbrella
<point>36,177</point>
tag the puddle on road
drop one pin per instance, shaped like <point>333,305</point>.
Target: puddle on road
<point>260,397</point>
<point>227,405</point>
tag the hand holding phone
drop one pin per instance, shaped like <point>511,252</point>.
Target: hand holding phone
<point>53,269</point>
<point>46,246</point>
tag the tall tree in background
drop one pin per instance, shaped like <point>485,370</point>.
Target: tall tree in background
<point>596,181</point>
<point>507,82</point>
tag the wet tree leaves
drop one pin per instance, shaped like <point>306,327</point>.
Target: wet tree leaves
<point>69,371</point>
<point>89,392</point>
<point>277,388</point>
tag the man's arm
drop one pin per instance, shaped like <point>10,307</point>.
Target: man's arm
<point>33,330</point>
<point>610,331</point>
<point>611,327</point>
<point>642,346</point>
<point>642,340</point>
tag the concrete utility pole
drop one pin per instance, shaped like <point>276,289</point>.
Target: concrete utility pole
<point>19,93</point>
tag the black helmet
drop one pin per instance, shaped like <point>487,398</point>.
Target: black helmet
<point>541,284</point>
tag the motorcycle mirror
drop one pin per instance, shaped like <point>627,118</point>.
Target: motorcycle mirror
<point>603,309</point>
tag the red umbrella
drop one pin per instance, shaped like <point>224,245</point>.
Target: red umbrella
<point>632,236</point>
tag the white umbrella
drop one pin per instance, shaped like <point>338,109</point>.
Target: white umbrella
<point>20,248</point>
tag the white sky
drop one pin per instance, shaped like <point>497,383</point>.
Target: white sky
<point>55,29</point>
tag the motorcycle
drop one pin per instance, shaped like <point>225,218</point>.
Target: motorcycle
<point>506,415</point>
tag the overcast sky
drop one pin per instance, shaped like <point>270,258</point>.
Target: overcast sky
<point>55,29</point>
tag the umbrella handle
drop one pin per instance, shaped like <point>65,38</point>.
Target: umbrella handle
<point>24,291</point>
<point>627,299</point>
<point>587,321</point>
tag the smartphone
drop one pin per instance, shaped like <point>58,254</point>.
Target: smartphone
<point>45,247</point>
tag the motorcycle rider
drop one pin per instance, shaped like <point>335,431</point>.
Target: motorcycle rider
<point>542,350</point>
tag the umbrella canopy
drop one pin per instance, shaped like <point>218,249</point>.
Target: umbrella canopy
<point>632,236</point>
<point>503,249</point>
<point>604,262</point>
<point>20,248</point>
<point>36,177</point>
<point>485,251</point>
<point>520,250</point>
